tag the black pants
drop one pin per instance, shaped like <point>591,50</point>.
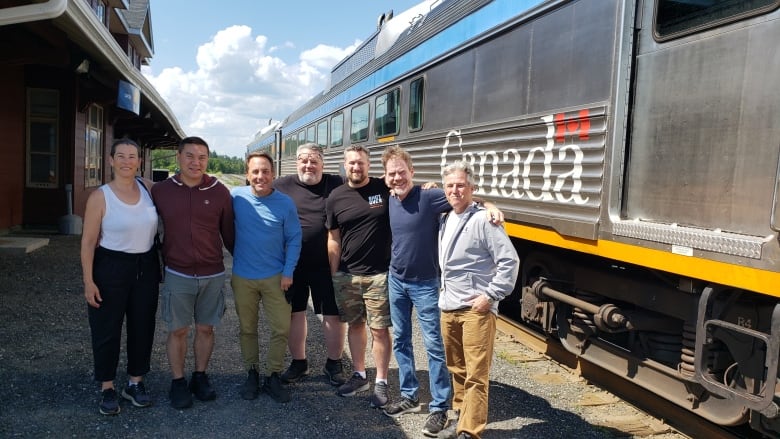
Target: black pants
<point>128,285</point>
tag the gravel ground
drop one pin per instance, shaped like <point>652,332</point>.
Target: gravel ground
<point>46,375</point>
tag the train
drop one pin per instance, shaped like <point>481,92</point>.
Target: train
<point>634,148</point>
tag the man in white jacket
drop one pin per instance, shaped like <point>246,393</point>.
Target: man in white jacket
<point>479,267</point>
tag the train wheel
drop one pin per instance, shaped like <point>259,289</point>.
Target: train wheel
<point>535,311</point>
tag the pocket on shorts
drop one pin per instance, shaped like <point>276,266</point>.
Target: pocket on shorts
<point>165,303</point>
<point>223,304</point>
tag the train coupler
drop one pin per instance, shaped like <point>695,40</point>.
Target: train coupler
<point>750,375</point>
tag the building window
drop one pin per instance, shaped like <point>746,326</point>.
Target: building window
<point>386,114</point>
<point>134,56</point>
<point>359,129</point>
<point>93,147</point>
<point>42,138</point>
<point>337,130</point>
<point>416,89</point>
<point>99,8</point>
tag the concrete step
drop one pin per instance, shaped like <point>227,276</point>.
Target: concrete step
<point>20,245</point>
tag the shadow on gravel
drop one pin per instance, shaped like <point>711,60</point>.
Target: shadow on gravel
<point>515,413</point>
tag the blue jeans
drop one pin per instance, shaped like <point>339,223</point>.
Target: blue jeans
<point>424,296</point>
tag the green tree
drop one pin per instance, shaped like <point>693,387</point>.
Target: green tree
<point>166,159</point>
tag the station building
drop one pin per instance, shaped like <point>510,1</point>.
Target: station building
<point>71,83</point>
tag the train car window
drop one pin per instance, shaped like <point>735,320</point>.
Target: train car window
<point>322,133</point>
<point>290,145</point>
<point>310,134</point>
<point>386,113</point>
<point>337,130</point>
<point>674,18</point>
<point>301,138</point>
<point>416,104</point>
<point>359,130</point>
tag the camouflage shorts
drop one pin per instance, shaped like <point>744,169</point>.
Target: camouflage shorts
<point>363,298</point>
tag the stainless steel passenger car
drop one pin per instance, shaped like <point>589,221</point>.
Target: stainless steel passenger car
<point>634,148</point>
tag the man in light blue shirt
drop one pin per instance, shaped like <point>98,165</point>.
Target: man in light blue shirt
<point>479,266</point>
<point>268,244</point>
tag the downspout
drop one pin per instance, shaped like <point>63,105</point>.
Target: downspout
<point>33,12</point>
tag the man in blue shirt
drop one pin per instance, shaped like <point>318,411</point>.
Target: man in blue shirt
<point>268,244</point>
<point>413,281</point>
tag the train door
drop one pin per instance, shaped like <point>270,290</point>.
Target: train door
<point>703,150</point>
<point>700,178</point>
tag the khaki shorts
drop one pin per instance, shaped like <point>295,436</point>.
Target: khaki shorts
<point>184,299</point>
<point>363,299</point>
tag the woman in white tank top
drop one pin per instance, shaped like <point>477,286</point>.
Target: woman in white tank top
<point>121,276</point>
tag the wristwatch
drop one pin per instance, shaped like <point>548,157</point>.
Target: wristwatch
<point>489,299</point>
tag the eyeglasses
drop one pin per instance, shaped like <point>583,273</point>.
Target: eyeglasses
<point>312,159</point>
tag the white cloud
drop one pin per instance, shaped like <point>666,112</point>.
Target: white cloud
<point>239,85</point>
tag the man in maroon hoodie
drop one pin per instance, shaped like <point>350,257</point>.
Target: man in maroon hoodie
<point>197,216</point>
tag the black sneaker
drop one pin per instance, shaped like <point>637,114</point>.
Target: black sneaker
<point>109,403</point>
<point>251,387</point>
<point>379,398</point>
<point>355,384</point>
<point>201,388</point>
<point>274,387</point>
<point>180,395</point>
<point>435,423</point>
<point>403,405</point>
<point>136,393</point>
<point>334,370</point>
<point>297,370</point>
<point>451,430</point>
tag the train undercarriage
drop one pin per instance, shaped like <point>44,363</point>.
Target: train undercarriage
<point>709,349</point>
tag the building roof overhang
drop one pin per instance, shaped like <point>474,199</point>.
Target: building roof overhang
<point>157,125</point>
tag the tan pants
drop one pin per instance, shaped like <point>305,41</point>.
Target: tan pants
<point>468,346</point>
<point>248,294</point>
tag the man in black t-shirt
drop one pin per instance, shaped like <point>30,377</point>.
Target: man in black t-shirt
<point>359,255</point>
<point>309,188</point>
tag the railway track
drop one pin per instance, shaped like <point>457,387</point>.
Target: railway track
<point>679,419</point>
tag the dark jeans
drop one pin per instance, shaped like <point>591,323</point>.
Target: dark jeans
<point>129,286</point>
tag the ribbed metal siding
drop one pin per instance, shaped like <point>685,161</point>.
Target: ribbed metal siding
<point>545,169</point>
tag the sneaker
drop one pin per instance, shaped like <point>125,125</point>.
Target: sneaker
<point>334,370</point>
<point>451,430</point>
<point>251,387</point>
<point>201,388</point>
<point>403,405</point>
<point>297,370</point>
<point>355,384</point>
<point>379,398</point>
<point>136,393</point>
<point>435,423</point>
<point>109,403</point>
<point>274,387</point>
<point>180,395</point>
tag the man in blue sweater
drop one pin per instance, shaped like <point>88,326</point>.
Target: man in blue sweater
<point>268,244</point>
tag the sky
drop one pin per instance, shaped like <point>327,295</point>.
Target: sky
<point>227,67</point>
